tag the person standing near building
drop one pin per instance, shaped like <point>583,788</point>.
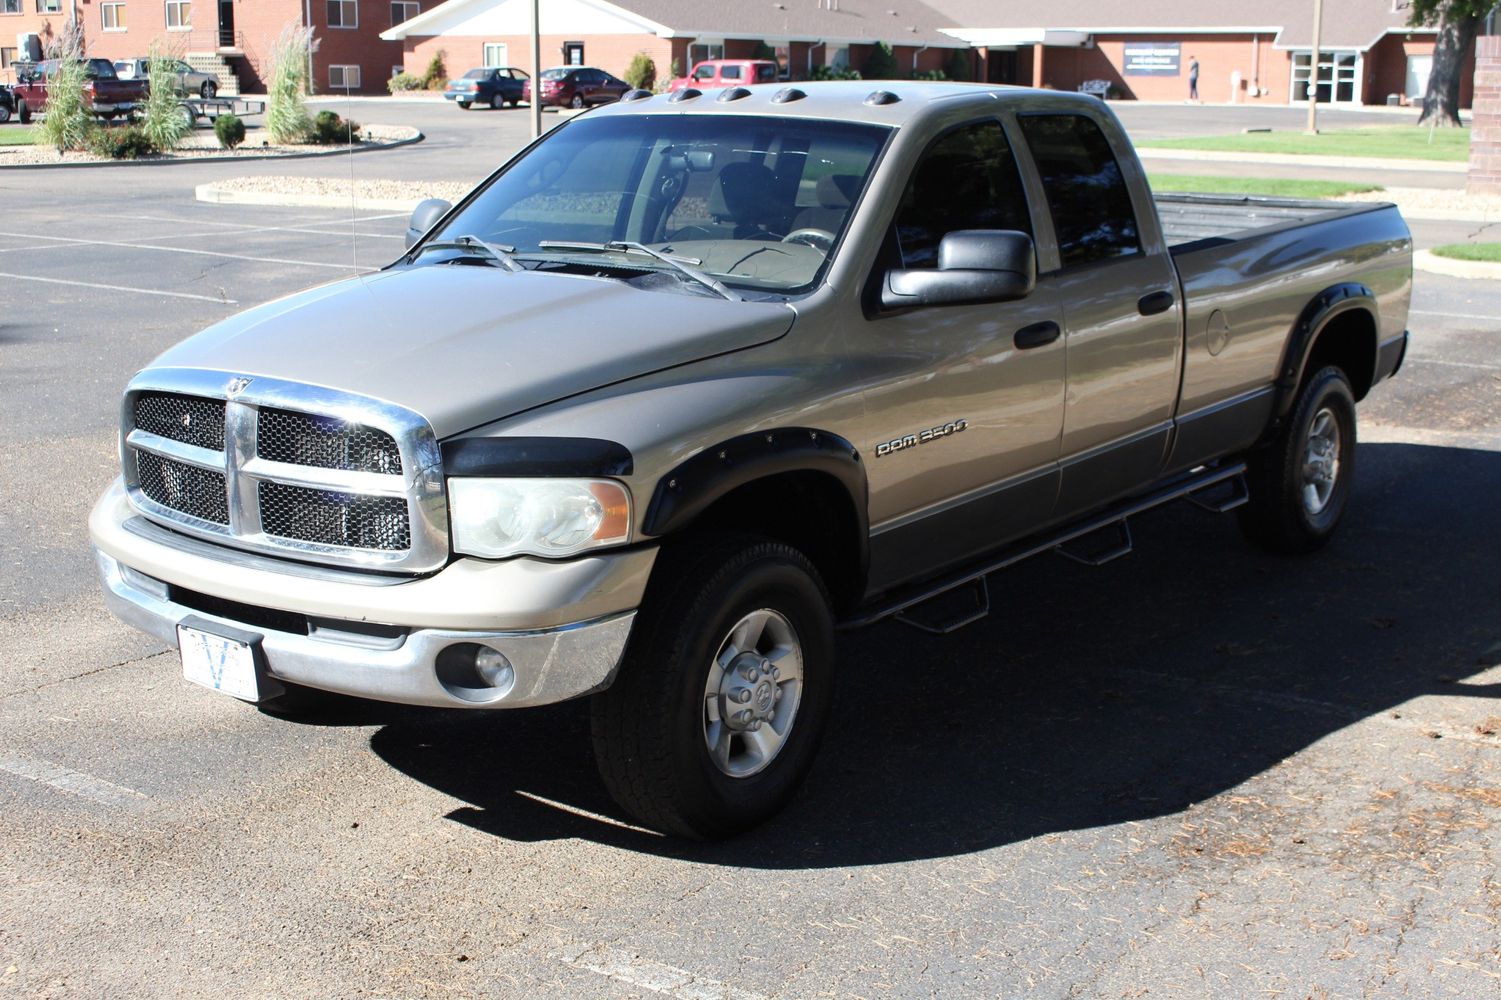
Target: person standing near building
<point>1193,78</point>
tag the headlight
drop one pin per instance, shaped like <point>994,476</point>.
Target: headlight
<point>494,518</point>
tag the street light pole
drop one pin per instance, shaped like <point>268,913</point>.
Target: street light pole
<point>1313,70</point>
<point>536,69</point>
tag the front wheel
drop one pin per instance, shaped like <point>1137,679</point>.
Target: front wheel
<point>497,102</point>
<point>714,719</point>
<point>1300,483</point>
<point>577,102</point>
<point>4,113</point>
<point>23,113</point>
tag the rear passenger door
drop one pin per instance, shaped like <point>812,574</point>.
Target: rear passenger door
<point>964,414</point>
<point>1122,314</point>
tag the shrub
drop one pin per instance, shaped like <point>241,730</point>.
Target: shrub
<point>68,121</point>
<point>881,64</point>
<point>436,76</point>
<point>402,82</point>
<point>123,142</point>
<point>930,74</point>
<point>162,119</point>
<point>286,112</point>
<point>230,131</point>
<point>331,130</point>
<point>834,73</point>
<point>960,66</point>
<point>642,72</point>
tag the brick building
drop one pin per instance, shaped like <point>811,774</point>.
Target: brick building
<point>232,37</point>
<point>1142,49</point>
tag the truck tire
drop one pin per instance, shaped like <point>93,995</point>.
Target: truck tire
<point>1300,483</point>
<point>729,622</point>
<point>23,113</point>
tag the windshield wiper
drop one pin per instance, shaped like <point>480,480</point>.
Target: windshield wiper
<point>503,255</point>
<point>683,265</point>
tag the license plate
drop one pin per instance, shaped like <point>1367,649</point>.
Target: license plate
<point>218,662</point>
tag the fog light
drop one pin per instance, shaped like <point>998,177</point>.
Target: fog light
<point>494,669</point>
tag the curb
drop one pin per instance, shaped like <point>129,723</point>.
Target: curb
<point>1305,160</point>
<point>1427,260</point>
<point>224,196</point>
<point>247,158</point>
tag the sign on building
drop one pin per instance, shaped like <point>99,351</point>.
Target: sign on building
<point>1152,58</point>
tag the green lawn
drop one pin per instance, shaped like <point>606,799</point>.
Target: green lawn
<point>1276,187</point>
<point>17,135</point>
<point>1488,252</point>
<point>1399,141</point>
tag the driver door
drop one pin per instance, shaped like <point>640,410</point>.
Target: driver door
<point>965,412</point>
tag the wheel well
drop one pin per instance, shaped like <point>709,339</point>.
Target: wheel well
<point>812,512</point>
<point>1347,341</point>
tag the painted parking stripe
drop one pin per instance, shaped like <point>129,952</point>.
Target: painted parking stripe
<point>664,980</point>
<point>120,288</point>
<point>165,249</point>
<point>74,782</point>
<point>1448,315</point>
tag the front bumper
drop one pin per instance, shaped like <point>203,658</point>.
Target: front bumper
<point>562,626</point>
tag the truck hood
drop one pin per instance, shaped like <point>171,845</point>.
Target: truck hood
<point>466,345</point>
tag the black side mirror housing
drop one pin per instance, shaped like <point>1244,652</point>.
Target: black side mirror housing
<point>424,217</point>
<point>974,266</point>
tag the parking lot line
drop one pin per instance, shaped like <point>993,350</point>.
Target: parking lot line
<point>119,288</point>
<point>198,253</point>
<point>74,782</point>
<point>655,977</point>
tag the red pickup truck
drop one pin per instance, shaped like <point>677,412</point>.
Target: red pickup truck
<point>726,73</point>
<point>106,94</point>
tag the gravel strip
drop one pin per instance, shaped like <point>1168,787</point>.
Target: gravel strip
<point>202,143</point>
<point>1429,203</point>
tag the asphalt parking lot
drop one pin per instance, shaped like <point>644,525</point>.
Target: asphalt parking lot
<point>1199,772</point>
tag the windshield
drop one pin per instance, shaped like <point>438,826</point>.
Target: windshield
<point>758,203</point>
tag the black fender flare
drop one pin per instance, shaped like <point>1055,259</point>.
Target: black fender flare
<point>696,483</point>
<point>1332,302</point>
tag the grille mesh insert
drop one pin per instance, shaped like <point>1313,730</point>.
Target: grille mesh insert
<point>185,488</point>
<point>328,518</point>
<point>325,442</point>
<point>189,419</point>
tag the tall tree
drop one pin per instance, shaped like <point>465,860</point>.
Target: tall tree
<point>1458,22</point>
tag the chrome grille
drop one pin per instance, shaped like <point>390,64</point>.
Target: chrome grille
<point>184,488</point>
<point>325,442</point>
<point>189,419</point>
<point>285,468</point>
<point>328,518</point>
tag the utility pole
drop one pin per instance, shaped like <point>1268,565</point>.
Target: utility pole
<point>1313,70</point>
<point>536,69</point>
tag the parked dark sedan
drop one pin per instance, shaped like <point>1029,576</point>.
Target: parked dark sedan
<point>12,107</point>
<point>492,85</point>
<point>577,87</point>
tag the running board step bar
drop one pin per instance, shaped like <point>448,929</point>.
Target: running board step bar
<point>1206,488</point>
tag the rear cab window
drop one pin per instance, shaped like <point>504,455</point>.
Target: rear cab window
<point>1087,194</point>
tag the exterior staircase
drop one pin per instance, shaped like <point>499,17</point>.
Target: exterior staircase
<point>213,62</point>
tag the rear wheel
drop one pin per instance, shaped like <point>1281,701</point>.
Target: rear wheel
<point>714,719</point>
<point>577,102</point>
<point>4,113</point>
<point>1300,483</point>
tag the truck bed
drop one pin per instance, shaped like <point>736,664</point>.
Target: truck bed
<point>1188,218</point>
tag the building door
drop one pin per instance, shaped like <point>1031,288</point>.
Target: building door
<point>1419,68</point>
<point>1002,63</point>
<point>1338,80</point>
<point>573,53</point>
<point>227,24</point>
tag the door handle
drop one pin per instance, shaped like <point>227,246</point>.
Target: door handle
<point>1037,335</point>
<point>1154,302</point>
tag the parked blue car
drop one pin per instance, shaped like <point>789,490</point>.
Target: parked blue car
<point>492,85</point>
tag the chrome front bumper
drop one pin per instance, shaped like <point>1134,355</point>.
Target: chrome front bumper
<point>562,626</point>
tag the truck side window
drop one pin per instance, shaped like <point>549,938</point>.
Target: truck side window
<point>1086,192</point>
<point>965,180</point>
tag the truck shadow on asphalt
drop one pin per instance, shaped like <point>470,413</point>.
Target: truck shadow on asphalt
<point>1088,698</point>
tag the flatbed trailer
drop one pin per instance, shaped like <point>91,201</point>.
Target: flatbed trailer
<point>209,108</point>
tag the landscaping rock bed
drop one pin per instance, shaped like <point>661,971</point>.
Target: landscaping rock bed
<point>202,144</point>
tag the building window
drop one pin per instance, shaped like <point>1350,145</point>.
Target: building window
<point>113,16</point>
<point>706,50</point>
<point>7,56</point>
<point>49,6</point>
<point>404,10</point>
<point>179,15</point>
<point>10,7</point>
<point>343,14</point>
<point>497,54</point>
<point>344,77</point>
<point>398,70</point>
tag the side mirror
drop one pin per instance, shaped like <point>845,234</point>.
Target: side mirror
<point>974,266</point>
<point>424,217</point>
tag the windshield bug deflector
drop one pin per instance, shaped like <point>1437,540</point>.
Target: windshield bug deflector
<point>759,203</point>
